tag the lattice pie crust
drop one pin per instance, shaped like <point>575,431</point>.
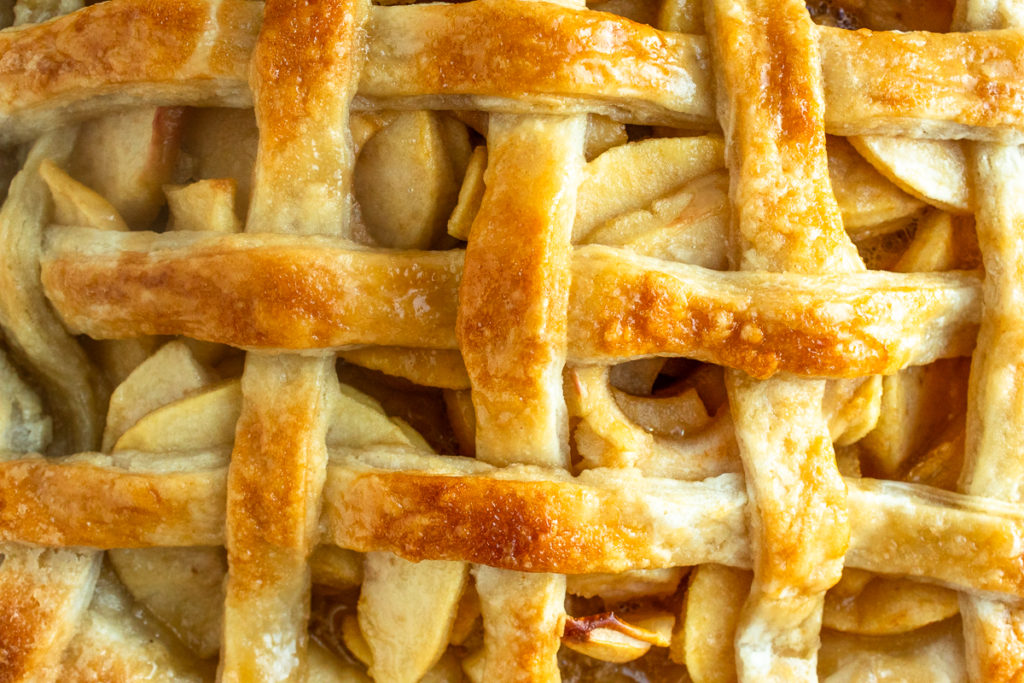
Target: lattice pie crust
<point>512,341</point>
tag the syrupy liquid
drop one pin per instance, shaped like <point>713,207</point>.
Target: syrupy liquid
<point>880,15</point>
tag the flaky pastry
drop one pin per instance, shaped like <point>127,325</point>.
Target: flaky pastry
<point>512,340</point>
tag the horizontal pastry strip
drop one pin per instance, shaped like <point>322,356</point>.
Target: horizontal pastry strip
<point>468,56</point>
<point>520,517</point>
<point>265,292</point>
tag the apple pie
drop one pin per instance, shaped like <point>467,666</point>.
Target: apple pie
<point>512,340</point>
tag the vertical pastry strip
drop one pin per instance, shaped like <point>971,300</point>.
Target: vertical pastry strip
<point>276,475</point>
<point>514,297</point>
<point>304,71</point>
<point>785,218</point>
<point>993,465</point>
<point>512,332</point>
<point>993,460</point>
<point>522,617</point>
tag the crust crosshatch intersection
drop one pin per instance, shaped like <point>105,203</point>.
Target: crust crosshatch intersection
<point>512,340</point>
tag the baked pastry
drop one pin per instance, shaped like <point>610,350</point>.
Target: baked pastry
<point>511,340</point>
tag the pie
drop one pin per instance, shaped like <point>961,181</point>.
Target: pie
<point>512,341</point>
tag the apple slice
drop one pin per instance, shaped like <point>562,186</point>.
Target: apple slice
<point>932,170</point>
<point>203,205</point>
<point>75,204</point>
<point>405,181</point>
<point>128,157</point>
<point>169,374</point>
<point>610,638</point>
<point>182,587</point>
<point>406,612</point>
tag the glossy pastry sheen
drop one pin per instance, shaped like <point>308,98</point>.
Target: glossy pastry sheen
<point>667,327</point>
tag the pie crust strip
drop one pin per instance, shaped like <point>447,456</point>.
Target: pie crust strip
<point>277,292</point>
<point>434,507</point>
<point>278,464</point>
<point>993,630</point>
<point>73,391</point>
<point>923,85</point>
<point>785,217</point>
<point>123,54</point>
<point>878,82</point>
<point>512,332</point>
<point>993,466</point>
<point>43,592</point>
<point>303,75</point>
<point>514,292</point>
<point>115,507</point>
<point>507,56</point>
<point>274,485</point>
<point>43,595</point>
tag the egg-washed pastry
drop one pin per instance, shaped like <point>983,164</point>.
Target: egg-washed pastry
<point>512,340</point>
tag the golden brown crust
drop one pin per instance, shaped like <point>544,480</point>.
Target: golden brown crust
<point>304,71</point>
<point>41,58</point>
<point>240,22</point>
<point>881,529</point>
<point>994,631</point>
<point>605,522</point>
<point>924,84</point>
<point>295,67</point>
<point>518,303</point>
<point>544,52</point>
<point>303,79</point>
<point>409,299</point>
<point>522,616</point>
<point>521,519</point>
<point>902,529</point>
<point>278,424</point>
<point>992,635</point>
<point>273,491</point>
<point>771,108</point>
<point>95,505</point>
<point>246,291</point>
<point>515,288</point>
<point>42,595</point>
<point>512,334</point>
<point>906,101</point>
<point>625,308</point>
<point>18,635</point>
<point>189,52</point>
<point>523,525</point>
<point>785,218</point>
